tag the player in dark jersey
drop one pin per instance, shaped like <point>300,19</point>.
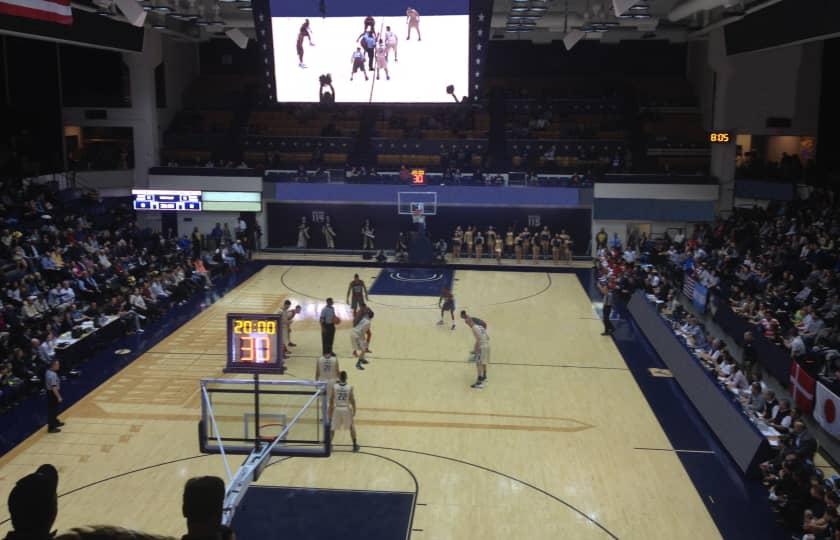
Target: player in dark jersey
<point>358,61</point>
<point>304,33</point>
<point>357,293</point>
<point>370,24</point>
<point>446,302</point>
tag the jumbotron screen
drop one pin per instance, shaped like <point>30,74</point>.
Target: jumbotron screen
<point>374,51</point>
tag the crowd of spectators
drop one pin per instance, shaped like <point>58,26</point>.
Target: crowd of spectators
<point>778,268</point>
<point>70,266</point>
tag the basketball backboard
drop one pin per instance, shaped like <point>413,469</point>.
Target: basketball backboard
<point>408,202</point>
<point>237,415</point>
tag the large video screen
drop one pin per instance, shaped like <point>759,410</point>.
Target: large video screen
<point>377,51</point>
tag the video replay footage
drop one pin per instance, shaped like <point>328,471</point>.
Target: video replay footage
<point>370,51</point>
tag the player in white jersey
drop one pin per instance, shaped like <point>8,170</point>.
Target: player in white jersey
<point>391,42</point>
<point>284,327</point>
<point>381,54</point>
<point>481,350</point>
<point>358,341</point>
<point>326,369</point>
<point>343,409</point>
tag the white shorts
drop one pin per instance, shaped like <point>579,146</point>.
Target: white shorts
<point>483,355</point>
<point>357,340</point>
<point>342,418</point>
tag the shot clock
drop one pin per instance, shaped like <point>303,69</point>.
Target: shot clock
<point>720,137</point>
<point>254,343</point>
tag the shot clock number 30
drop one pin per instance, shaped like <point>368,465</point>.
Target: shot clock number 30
<point>254,344</point>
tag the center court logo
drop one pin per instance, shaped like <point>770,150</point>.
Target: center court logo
<point>398,276</point>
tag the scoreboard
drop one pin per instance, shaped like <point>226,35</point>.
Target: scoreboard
<point>254,343</point>
<point>162,199</point>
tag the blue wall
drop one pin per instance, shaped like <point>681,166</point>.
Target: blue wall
<point>447,195</point>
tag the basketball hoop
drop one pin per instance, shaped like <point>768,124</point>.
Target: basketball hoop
<point>417,216</point>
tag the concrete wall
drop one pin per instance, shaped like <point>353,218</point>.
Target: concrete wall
<point>144,117</point>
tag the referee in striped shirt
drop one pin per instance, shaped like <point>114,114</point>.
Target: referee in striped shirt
<point>327,320</point>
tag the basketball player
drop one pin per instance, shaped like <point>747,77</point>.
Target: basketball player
<point>412,18</point>
<point>370,23</point>
<point>357,337</point>
<point>304,33</point>
<point>457,239</point>
<point>382,60</point>
<point>329,233</point>
<point>391,42</point>
<point>287,323</point>
<point>343,409</point>
<point>358,61</point>
<point>357,317</point>
<point>446,302</point>
<point>357,290</point>
<point>326,369</point>
<point>468,240</point>
<point>481,350</point>
<point>284,329</point>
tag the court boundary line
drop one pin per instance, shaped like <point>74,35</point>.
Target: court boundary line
<point>499,473</point>
<point>429,307</point>
<point>675,450</point>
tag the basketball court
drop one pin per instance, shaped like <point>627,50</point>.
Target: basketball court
<point>561,443</point>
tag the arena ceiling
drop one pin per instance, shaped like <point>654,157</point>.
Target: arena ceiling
<point>540,21</point>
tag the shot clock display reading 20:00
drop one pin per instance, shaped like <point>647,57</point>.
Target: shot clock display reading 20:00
<point>249,327</point>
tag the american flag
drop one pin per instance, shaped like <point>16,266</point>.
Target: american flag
<point>57,11</point>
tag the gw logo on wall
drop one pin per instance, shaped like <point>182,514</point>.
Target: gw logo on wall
<point>534,220</point>
<point>318,216</point>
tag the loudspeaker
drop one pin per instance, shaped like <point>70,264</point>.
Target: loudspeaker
<point>237,37</point>
<point>571,38</point>
<point>621,6</point>
<point>133,11</point>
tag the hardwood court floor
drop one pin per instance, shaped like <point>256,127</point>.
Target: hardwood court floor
<point>549,450</point>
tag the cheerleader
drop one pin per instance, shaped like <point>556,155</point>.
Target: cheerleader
<point>468,240</point>
<point>457,238</point>
<point>517,248</point>
<point>303,233</point>
<point>509,241</point>
<point>368,234</point>
<point>490,238</point>
<point>329,233</point>
<point>567,245</point>
<point>499,246</point>
<point>545,240</point>
<point>479,244</point>
<point>535,251</point>
<point>556,248</point>
<point>526,240</point>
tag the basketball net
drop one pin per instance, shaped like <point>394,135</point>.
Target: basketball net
<point>417,216</point>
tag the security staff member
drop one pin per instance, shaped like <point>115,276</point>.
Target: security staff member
<point>53,386</point>
<point>608,304</point>
<point>328,320</point>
